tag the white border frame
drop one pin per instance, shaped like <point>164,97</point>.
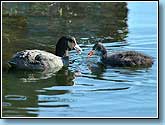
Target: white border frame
<point>157,117</point>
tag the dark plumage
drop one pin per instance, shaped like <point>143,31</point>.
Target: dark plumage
<point>121,59</point>
<point>62,45</point>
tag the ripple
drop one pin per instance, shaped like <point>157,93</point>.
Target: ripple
<point>111,89</point>
<point>15,97</point>
<point>40,90</point>
<point>54,99</point>
<point>83,84</point>
<point>6,104</point>
<point>54,106</point>
<point>84,38</point>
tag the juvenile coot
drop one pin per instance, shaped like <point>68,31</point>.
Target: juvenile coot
<point>121,59</point>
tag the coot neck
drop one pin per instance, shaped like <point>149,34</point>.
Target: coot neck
<point>62,47</point>
<point>104,55</point>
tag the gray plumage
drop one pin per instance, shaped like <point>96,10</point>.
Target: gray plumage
<point>42,60</point>
<point>123,59</point>
<point>35,60</point>
<point>128,59</point>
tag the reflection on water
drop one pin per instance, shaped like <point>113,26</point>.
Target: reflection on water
<point>88,20</point>
<point>106,21</point>
<point>15,97</point>
<point>97,69</point>
<point>62,77</point>
<point>22,89</point>
<point>86,88</point>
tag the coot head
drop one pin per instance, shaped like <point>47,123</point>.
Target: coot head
<point>66,43</point>
<point>98,49</point>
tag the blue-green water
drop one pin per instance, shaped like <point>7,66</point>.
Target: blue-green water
<point>85,89</point>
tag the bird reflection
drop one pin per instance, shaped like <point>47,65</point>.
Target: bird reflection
<point>96,69</point>
<point>61,78</point>
<point>64,77</point>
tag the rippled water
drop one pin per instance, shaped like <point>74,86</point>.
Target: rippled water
<point>86,89</point>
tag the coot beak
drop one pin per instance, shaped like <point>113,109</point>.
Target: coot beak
<point>78,49</point>
<point>91,53</point>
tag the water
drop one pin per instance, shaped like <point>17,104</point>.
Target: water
<point>84,89</point>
